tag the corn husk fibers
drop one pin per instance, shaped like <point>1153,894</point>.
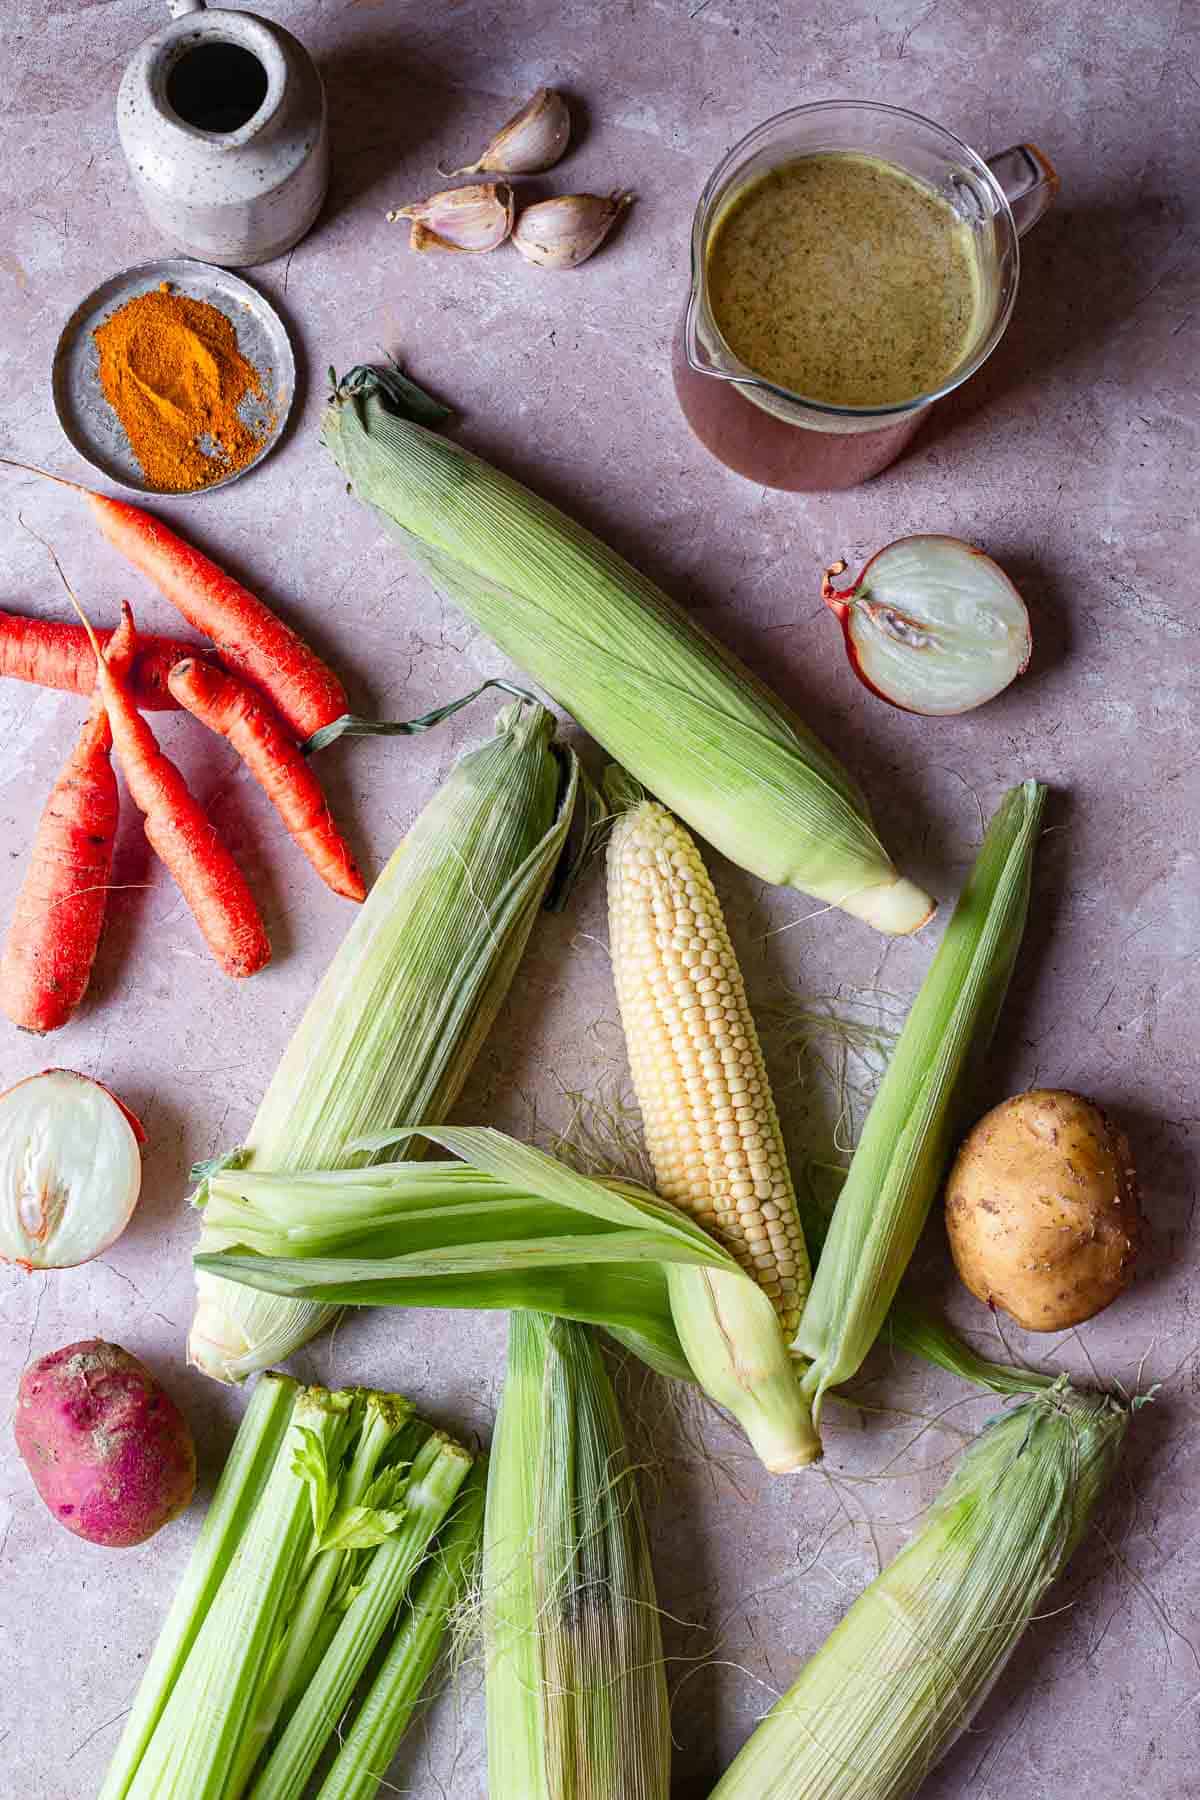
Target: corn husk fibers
<point>395,1024</point>
<point>903,1674</point>
<point>663,698</point>
<point>576,1694</point>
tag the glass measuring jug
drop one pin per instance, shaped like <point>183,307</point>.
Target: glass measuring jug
<point>784,439</point>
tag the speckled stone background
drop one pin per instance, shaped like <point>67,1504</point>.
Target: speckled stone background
<point>1072,458</point>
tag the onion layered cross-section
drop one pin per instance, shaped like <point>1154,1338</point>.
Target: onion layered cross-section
<point>70,1170</point>
<point>932,625</point>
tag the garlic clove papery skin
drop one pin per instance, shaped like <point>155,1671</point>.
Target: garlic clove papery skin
<point>563,232</point>
<point>531,142</point>
<point>472,219</point>
<point>70,1170</point>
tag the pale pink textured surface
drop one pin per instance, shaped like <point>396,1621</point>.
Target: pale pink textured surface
<point>1072,459</point>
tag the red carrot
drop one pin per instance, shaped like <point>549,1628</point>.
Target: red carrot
<point>56,653</point>
<point>178,829</point>
<point>56,924</point>
<point>248,636</point>
<point>260,737</point>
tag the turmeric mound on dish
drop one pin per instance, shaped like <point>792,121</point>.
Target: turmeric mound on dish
<point>171,370</point>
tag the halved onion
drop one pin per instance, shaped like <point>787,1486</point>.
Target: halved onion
<point>932,625</point>
<point>70,1170</point>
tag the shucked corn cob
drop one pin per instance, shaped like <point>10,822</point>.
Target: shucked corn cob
<point>711,1129</point>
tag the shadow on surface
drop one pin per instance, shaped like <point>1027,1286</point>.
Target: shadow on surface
<point>384,103</point>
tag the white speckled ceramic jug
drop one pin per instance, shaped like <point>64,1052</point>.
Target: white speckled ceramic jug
<point>221,117</point>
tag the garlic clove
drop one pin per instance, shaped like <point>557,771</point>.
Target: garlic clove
<point>421,238</point>
<point>473,219</point>
<point>532,141</point>
<point>563,232</point>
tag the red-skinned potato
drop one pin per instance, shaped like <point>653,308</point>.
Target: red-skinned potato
<point>1042,1210</point>
<point>109,1451</point>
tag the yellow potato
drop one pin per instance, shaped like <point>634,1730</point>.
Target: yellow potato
<point>1042,1209</point>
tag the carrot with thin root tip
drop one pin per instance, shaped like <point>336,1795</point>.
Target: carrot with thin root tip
<point>260,737</point>
<point>55,653</point>
<point>250,639</point>
<point>181,833</point>
<point>52,941</point>
<point>248,635</point>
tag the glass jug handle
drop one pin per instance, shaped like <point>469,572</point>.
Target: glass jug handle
<point>1029,180</point>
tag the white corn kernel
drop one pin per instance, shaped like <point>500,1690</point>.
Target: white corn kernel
<point>711,1129</point>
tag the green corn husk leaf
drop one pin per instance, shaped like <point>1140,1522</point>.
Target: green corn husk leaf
<point>663,697</point>
<point>903,1674</point>
<point>910,1129</point>
<point>512,1228</point>
<point>395,1024</point>
<point>913,1327</point>
<point>576,1696</point>
<point>380,1722</point>
<point>605,1253</point>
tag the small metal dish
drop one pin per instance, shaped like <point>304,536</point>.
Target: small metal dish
<point>89,422</point>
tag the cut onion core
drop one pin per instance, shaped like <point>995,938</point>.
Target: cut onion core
<point>70,1170</point>
<point>932,625</point>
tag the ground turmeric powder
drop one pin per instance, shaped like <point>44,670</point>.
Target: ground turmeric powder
<point>171,370</point>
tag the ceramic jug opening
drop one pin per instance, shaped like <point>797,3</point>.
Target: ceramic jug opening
<point>217,87</point>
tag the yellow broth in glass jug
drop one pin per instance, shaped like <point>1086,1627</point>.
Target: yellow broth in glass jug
<point>844,279</point>
<point>851,263</point>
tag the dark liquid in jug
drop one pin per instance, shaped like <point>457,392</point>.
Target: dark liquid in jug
<point>842,279</point>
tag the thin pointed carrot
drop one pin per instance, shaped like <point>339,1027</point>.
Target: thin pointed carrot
<point>55,653</point>
<point>260,737</point>
<point>249,637</point>
<point>52,941</point>
<point>181,833</point>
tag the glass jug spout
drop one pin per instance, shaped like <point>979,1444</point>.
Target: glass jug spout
<point>704,352</point>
